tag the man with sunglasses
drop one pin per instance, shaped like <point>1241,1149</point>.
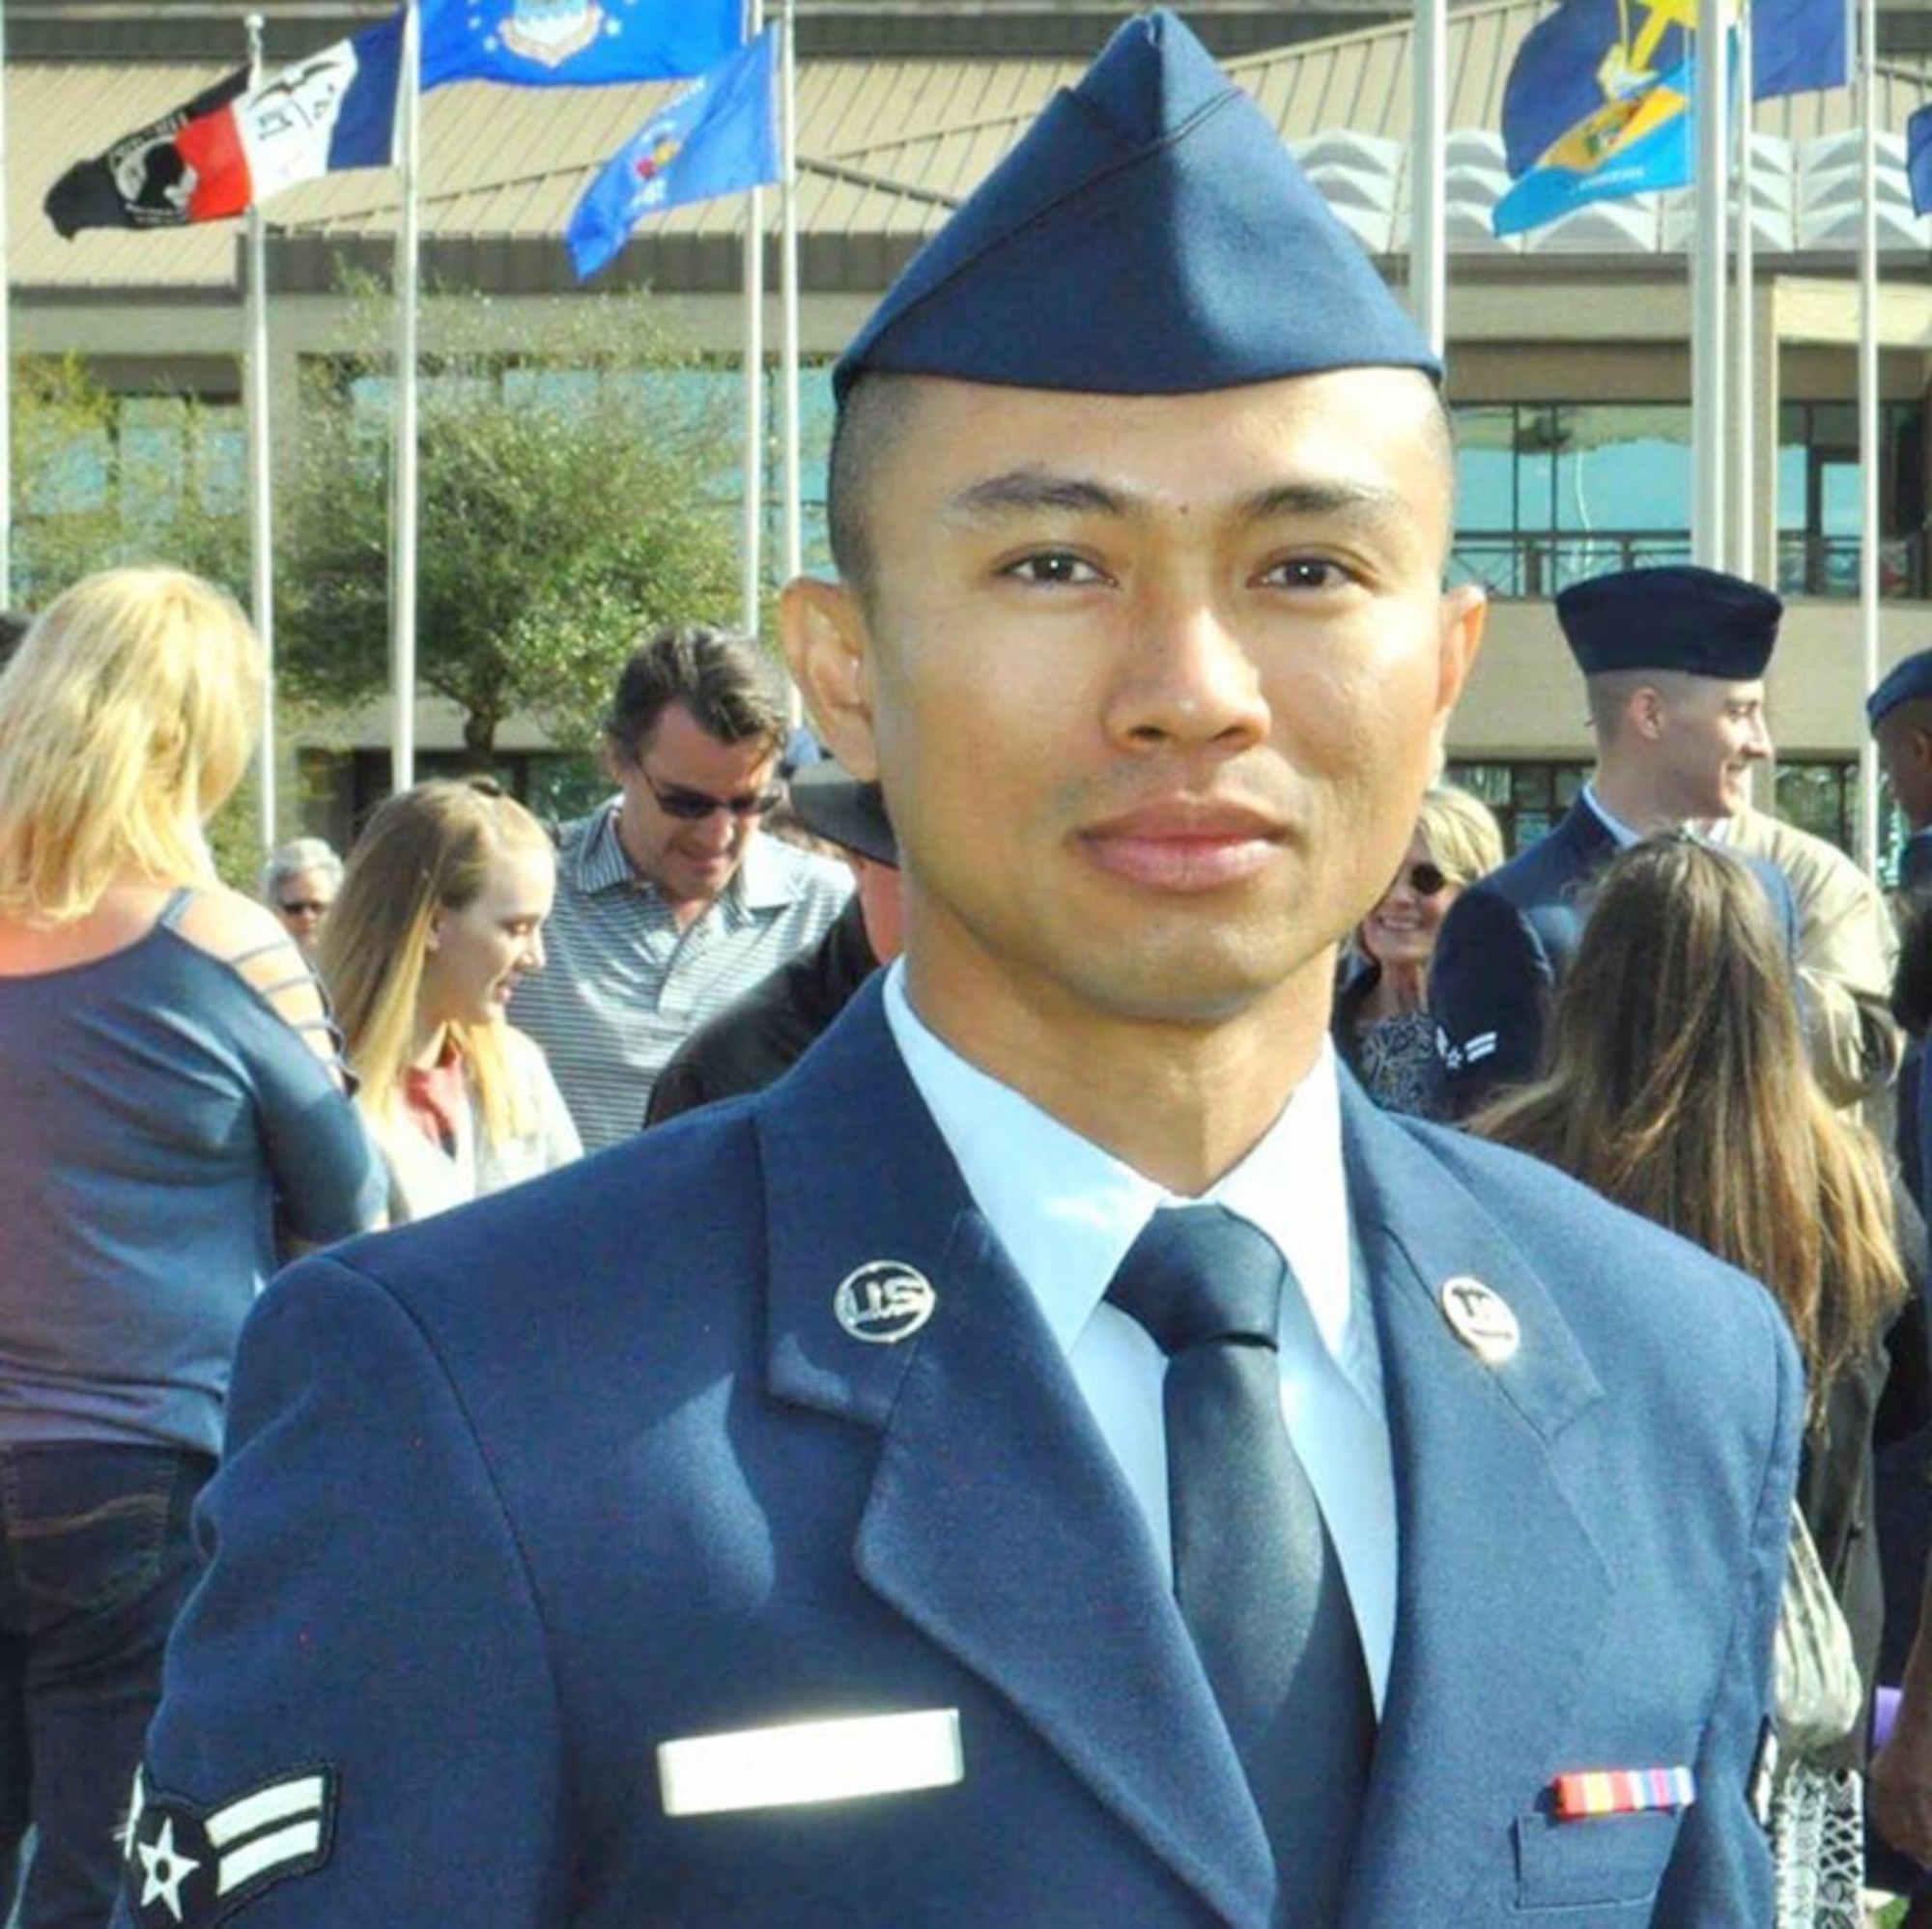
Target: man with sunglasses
<point>670,904</point>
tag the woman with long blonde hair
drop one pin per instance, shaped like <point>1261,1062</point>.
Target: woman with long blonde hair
<point>170,1096</point>
<point>1680,1088</point>
<point>441,915</point>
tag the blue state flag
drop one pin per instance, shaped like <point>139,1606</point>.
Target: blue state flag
<point>1634,144</point>
<point>575,43</point>
<point>1599,102</point>
<point>719,136</point>
<point>1918,159</point>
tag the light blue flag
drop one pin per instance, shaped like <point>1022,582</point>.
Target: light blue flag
<point>719,136</point>
<point>575,43</point>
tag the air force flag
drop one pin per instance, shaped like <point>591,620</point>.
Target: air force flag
<point>716,137</point>
<point>575,43</point>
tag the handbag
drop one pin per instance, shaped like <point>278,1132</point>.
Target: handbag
<point>1818,1694</point>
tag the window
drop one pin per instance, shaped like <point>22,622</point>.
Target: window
<point>1549,494</point>
<point>1822,798</point>
<point>1819,506</point>
<point>1528,799</point>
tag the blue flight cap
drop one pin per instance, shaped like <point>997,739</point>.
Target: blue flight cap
<point>1150,236</point>
<point>1903,684</point>
<point>1674,618</point>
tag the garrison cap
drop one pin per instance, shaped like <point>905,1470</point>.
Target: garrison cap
<point>1151,235</point>
<point>1902,684</point>
<point>1674,618</point>
<point>836,806</point>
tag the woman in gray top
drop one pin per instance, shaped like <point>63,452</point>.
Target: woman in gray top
<point>173,1114</point>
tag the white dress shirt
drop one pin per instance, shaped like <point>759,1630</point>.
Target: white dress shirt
<point>1066,1211</point>
<point>1712,832</point>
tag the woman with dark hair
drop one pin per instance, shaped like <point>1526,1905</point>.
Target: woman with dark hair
<point>1680,1088</point>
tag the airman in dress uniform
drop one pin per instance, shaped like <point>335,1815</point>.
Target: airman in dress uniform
<point>1060,1456</point>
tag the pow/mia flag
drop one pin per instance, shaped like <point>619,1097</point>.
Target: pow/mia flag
<point>190,1869</point>
<point>143,181</point>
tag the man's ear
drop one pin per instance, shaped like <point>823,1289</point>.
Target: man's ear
<point>1644,709</point>
<point>828,643</point>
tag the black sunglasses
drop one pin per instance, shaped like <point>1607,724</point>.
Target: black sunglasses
<point>1425,879</point>
<point>304,907</point>
<point>675,800</point>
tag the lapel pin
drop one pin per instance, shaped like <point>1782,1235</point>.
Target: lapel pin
<point>1481,1320</point>
<point>884,1302</point>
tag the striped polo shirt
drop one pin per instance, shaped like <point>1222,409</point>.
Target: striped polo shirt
<point>623,986</point>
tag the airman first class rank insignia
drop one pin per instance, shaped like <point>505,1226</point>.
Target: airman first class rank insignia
<point>190,1869</point>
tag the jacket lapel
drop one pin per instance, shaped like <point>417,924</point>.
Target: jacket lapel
<point>1502,1593</point>
<point>997,1523</point>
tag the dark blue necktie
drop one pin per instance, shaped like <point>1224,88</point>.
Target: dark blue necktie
<point>1255,1570</point>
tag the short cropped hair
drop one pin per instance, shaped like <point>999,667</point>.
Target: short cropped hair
<point>128,716</point>
<point>720,677</point>
<point>297,856</point>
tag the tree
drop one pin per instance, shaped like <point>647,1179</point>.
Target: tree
<point>571,498</point>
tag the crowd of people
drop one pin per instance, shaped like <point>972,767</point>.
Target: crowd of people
<point>1129,1323</point>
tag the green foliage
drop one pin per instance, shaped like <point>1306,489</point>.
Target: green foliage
<point>572,498</point>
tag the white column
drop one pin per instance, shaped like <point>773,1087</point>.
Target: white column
<point>403,511</point>
<point>261,481</point>
<point>1427,210</point>
<point>1706,283</point>
<point>794,507</point>
<point>752,537</point>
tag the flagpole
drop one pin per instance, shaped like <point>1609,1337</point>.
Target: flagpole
<point>1869,421</point>
<point>752,539</point>
<point>403,541</point>
<point>261,529</point>
<point>1743,483</point>
<point>1707,286</point>
<point>1427,210</point>
<point>794,508</point>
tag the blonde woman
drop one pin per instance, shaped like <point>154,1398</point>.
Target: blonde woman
<point>1381,1023</point>
<point>440,916</point>
<point>169,1096</point>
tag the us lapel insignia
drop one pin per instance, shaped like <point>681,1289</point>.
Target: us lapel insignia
<point>1481,1319</point>
<point>884,1302</point>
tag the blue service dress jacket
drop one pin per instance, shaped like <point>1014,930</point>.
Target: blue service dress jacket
<point>1506,944</point>
<point>517,1497</point>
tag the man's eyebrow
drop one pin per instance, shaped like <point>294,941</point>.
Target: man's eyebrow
<point>1023,490</point>
<point>1357,500</point>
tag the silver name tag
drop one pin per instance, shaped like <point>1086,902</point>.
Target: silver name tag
<point>811,1761</point>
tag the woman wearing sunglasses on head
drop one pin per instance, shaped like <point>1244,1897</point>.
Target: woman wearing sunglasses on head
<point>440,919</point>
<point>1382,1026</point>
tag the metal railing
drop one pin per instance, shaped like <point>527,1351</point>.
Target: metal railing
<point>1538,563</point>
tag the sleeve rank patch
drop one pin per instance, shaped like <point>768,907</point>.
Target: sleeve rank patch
<point>190,1868</point>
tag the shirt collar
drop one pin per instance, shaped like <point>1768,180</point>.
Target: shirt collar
<point>763,882</point>
<point>1716,832</point>
<point>1066,1211</point>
